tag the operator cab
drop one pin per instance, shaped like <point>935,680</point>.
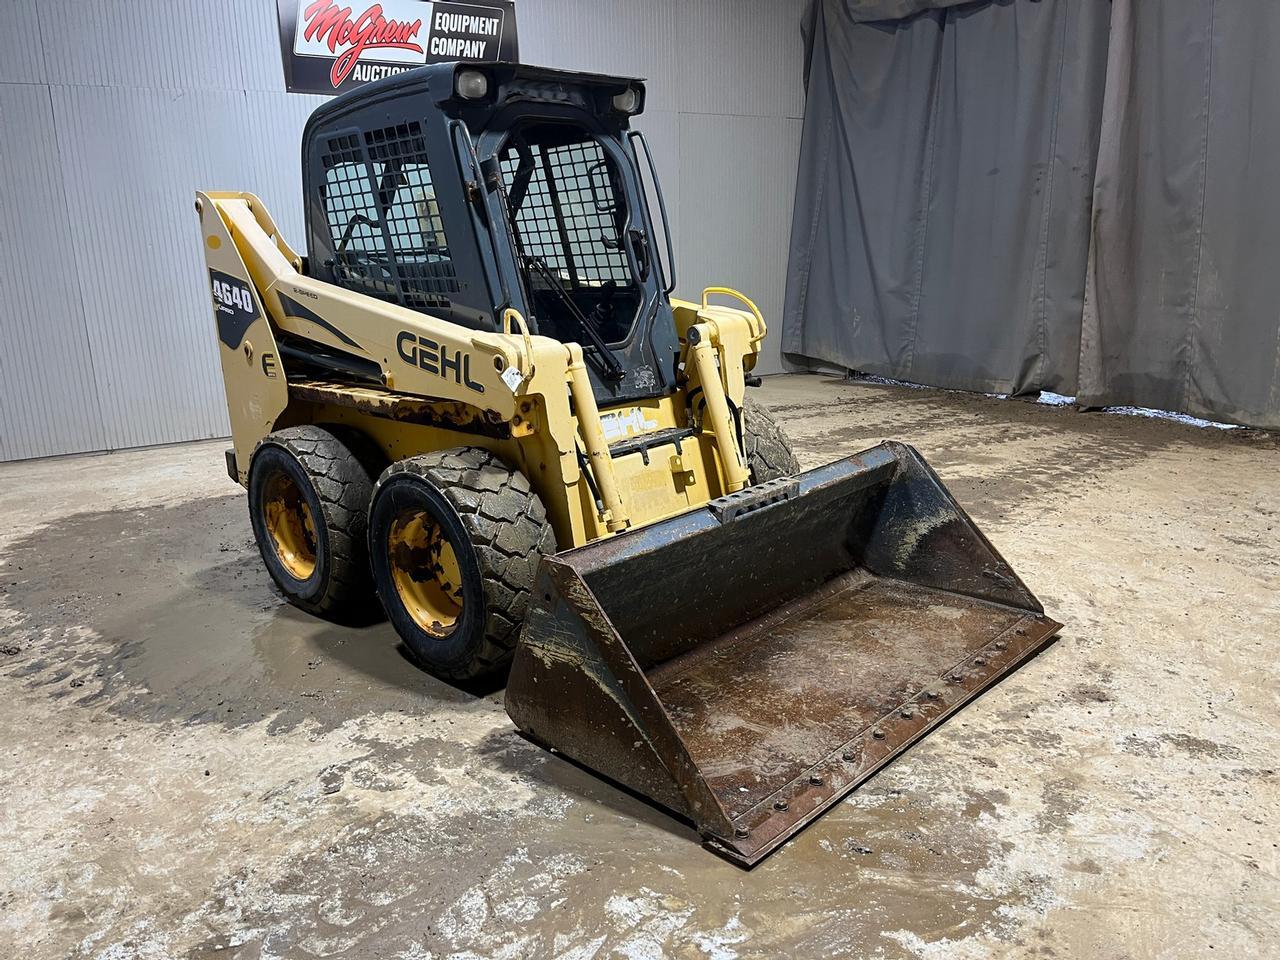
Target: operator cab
<point>463,189</point>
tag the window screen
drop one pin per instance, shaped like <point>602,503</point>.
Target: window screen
<point>349,207</point>
<point>566,217</point>
<point>383,218</point>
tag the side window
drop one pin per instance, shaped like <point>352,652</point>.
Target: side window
<point>384,221</point>
<point>350,212</point>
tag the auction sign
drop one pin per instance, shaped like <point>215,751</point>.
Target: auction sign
<point>330,46</point>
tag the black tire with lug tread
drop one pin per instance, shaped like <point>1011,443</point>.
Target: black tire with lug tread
<point>769,453</point>
<point>308,504</point>
<point>455,538</point>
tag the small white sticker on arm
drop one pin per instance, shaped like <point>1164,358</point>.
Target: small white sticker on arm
<point>512,378</point>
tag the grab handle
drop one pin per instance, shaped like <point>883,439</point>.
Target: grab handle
<point>741,298</point>
<point>526,359</point>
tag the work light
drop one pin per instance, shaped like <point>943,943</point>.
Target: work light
<point>628,101</point>
<point>471,84</point>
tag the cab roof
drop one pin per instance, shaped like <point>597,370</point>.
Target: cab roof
<point>436,81</point>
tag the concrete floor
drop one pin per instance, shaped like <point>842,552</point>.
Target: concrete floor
<point>192,768</point>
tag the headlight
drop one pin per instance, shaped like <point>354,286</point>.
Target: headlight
<point>471,84</point>
<point>628,101</point>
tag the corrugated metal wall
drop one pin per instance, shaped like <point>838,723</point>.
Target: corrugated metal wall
<point>112,115</point>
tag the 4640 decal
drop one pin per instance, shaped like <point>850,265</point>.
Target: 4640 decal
<point>233,307</point>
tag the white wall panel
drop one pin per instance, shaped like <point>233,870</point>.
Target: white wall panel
<point>21,53</point>
<point>132,161</point>
<point>737,177</point>
<point>48,397</point>
<point>151,100</point>
<point>228,45</point>
<point>742,58</point>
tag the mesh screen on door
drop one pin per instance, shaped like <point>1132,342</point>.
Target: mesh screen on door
<point>566,217</point>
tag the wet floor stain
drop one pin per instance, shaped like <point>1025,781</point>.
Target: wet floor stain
<point>167,614</point>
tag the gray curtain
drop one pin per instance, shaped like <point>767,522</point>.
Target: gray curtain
<point>941,223</point>
<point>862,10</point>
<point>948,228</point>
<point>1183,305</point>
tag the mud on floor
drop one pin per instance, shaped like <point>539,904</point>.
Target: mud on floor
<point>196,769</point>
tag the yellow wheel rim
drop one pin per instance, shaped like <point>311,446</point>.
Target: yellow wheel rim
<point>425,571</point>
<point>290,525</point>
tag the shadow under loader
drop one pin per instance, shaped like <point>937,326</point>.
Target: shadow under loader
<point>749,663</point>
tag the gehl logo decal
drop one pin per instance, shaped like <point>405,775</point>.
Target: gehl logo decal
<point>437,358</point>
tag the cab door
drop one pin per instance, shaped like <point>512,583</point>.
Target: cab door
<point>570,195</point>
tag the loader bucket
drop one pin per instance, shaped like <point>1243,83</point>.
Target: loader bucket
<point>750,662</point>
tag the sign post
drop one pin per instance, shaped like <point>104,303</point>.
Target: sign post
<point>329,46</point>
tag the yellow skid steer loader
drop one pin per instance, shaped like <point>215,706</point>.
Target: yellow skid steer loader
<point>475,405</point>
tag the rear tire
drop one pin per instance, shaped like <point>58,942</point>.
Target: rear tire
<point>455,538</point>
<point>769,453</point>
<point>308,504</point>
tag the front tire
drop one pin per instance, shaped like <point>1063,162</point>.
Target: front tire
<point>769,453</point>
<point>308,504</point>
<point>455,538</point>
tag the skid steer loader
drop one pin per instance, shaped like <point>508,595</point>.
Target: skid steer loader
<point>475,405</point>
